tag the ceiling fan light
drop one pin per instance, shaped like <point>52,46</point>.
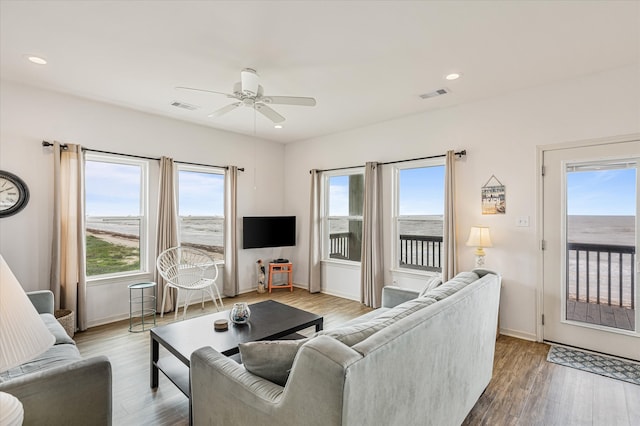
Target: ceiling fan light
<point>249,80</point>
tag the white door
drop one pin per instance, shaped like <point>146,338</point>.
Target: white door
<point>590,233</point>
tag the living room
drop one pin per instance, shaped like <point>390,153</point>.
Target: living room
<point>561,74</point>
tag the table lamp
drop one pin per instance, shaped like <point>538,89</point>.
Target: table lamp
<point>479,237</point>
<point>23,336</point>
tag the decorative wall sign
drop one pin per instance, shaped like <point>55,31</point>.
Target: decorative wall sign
<point>493,197</point>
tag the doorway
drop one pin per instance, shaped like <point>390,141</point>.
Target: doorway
<point>590,207</point>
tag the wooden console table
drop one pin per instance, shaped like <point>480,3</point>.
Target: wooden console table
<point>281,268</point>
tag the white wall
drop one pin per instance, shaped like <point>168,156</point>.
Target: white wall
<point>29,115</point>
<point>500,135</point>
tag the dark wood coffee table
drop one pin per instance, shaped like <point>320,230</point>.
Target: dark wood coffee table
<point>270,320</point>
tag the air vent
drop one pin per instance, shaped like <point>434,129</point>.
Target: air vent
<point>435,93</point>
<point>184,105</point>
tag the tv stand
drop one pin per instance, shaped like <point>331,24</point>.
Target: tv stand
<point>281,268</point>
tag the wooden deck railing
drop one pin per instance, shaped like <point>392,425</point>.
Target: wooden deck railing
<point>421,252</point>
<point>601,273</point>
<point>416,251</point>
<point>339,245</point>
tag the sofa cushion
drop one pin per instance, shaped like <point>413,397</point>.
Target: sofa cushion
<point>57,330</point>
<point>55,356</point>
<point>453,285</point>
<point>271,360</point>
<point>356,333</point>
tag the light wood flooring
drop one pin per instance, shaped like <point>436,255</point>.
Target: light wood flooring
<point>525,390</point>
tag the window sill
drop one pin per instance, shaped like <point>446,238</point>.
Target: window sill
<point>121,279</point>
<point>414,272</point>
<point>340,262</point>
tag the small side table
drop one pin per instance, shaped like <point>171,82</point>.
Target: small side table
<point>281,268</point>
<point>146,305</point>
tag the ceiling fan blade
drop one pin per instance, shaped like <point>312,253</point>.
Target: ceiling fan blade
<point>203,90</point>
<point>224,110</point>
<point>269,113</point>
<point>289,100</point>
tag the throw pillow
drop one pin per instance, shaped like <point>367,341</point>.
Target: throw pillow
<point>431,284</point>
<point>271,360</point>
<point>453,285</point>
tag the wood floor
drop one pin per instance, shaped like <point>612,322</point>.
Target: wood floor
<point>525,390</point>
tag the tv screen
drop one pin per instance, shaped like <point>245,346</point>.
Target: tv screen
<point>268,231</point>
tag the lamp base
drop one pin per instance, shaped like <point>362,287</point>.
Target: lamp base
<point>479,261</point>
<point>11,411</point>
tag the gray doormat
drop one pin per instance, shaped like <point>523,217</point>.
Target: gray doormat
<point>614,368</point>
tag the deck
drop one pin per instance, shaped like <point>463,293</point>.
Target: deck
<point>601,314</point>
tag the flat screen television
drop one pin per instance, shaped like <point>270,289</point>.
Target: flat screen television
<point>268,231</point>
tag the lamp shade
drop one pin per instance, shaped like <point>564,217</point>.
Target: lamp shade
<point>479,237</point>
<point>23,334</point>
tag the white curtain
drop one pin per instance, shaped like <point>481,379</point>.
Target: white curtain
<point>68,276</point>
<point>449,260</point>
<point>315,235</point>
<point>167,227</point>
<point>372,272</point>
<point>230,287</point>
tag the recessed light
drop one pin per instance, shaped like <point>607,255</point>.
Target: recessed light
<point>37,60</point>
<point>453,76</point>
<point>278,126</point>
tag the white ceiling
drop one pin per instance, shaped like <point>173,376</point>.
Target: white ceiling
<point>364,61</point>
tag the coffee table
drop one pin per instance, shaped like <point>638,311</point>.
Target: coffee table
<point>270,320</point>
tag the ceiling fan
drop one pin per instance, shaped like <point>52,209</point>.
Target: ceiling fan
<point>249,93</point>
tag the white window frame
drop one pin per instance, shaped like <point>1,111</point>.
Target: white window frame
<point>325,212</point>
<point>197,169</point>
<point>145,252</point>
<point>395,214</point>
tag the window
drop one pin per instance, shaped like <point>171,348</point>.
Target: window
<point>419,215</point>
<point>344,195</point>
<point>116,209</point>
<point>201,209</point>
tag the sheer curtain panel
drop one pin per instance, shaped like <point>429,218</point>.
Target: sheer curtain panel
<point>230,287</point>
<point>372,272</point>
<point>167,227</point>
<point>68,278</point>
<point>315,235</point>
<point>449,260</point>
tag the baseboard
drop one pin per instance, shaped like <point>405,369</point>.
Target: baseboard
<point>342,295</point>
<point>518,334</point>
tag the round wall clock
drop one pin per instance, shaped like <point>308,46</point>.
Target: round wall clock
<point>14,194</point>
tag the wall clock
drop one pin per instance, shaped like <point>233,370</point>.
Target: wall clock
<point>14,194</point>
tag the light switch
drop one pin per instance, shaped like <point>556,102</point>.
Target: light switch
<point>522,221</point>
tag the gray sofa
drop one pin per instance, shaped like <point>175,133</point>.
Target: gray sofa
<point>59,387</point>
<point>419,360</point>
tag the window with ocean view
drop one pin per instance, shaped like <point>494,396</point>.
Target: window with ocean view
<point>419,215</point>
<point>115,209</point>
<point>201,209</point>
<point>344,196</point>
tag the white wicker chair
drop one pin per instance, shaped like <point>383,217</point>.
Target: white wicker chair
<point>186,268</point>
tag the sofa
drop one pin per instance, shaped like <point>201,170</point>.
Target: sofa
<point>59,387</point>
<point>423,358</point>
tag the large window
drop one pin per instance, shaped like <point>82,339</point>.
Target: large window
<point>344,196</point>
<point>419,215</point>
<point>201,209</point>
<point>116,209</point>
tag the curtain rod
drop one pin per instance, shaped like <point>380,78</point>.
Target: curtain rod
<point>458,154</point>
<point>64,146</point>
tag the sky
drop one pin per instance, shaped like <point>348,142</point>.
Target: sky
<point>421,192</point>
<point>602,192</point>
<point>114,190</point>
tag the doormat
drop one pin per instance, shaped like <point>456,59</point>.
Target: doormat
<point>598,364</point>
